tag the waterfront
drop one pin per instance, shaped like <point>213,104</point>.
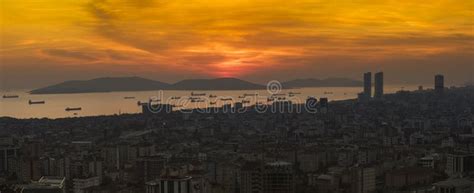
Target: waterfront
<point>110,103</point>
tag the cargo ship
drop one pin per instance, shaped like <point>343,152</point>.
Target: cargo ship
<point>197,100</point>
<point>278,94</point>
<point>250,94</point>
<point>294,93</point>
<point>10,96</point>
<point>73,108</point>
<point>35,102</point>
<point>198,94</point>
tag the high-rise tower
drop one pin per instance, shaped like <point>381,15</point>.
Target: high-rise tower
<point>378,78</point>
<point>439,83</point>
<point>368,84</point>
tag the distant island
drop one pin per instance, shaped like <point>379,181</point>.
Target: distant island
<point>215,84</point>
<point>102,85</point>
<point>110,84</point>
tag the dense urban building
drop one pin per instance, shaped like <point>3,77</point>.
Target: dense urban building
<point>278,177</point>
<point>45,185</point>
<point>411,141</point>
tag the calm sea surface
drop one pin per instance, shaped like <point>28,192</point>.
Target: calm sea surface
<point>114,102</point>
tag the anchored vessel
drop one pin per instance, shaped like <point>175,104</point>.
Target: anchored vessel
<point>197,100</point>
<point>250,94</point>
<point>73,108</point>
<point>198,94</point>
<point>294,93</point>
<point>10,96</point>
<point>35,102</point>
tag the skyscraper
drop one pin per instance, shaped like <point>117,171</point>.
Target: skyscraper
<point>378,77</point>
<point>439,83</point>
<point>368,84</point>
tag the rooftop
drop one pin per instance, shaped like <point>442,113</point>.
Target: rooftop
<point>455,182</point>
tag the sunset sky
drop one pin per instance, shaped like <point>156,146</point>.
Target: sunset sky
<point>49,41</point>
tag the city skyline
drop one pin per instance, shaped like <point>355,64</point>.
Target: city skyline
<point>49,41</point>
<point>236,96</point>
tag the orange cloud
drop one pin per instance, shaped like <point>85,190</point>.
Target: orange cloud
<point>233,38</point>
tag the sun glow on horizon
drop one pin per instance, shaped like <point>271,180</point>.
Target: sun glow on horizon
<point>232,38</point>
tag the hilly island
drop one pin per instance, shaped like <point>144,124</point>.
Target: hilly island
<point>115,84</point>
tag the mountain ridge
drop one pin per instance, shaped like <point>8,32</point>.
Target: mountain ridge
<point>105,84</point>
<point>117,84</point>
<point>215,84</point>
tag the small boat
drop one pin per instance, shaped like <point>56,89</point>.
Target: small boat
<point>154,100</point>
<point>270,99</point>
<point>212,103</point>
<point>241,97</point>
<point>251,94</point>
<point>10,96</point>
<point>278,94</point>
<point>73,108</point>
<point>129,97</point>
<point>175,98</point>
<point>294,93</point>
<point>245,101</point>
<point>291,95</point>
<point>281,98</point>
<point>212,96</point>
<point>198,94</point>
<point>328,93</point>
<point>35,102</point>
<point>197,100</point>
<point>226,99</point>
